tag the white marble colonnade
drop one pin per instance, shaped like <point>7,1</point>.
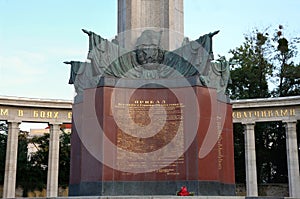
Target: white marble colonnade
<point>292,159</point>
<point>12,154</point>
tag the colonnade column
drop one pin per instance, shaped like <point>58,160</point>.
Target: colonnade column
<point>292,159</point>
<point>250,159</point>
<point>53,161</point>
<point>9,187</point>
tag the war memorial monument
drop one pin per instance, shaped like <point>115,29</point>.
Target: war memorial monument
<point>150,113</point>
<point>150,116</point>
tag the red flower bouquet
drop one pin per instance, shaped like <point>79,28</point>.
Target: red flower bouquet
<point>184,192</point>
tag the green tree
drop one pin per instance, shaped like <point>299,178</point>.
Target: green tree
<point>64,159</point>
<point>271,152</point>
<point>239,153</point>
<point>287,73</point>
<point>251,70</point>
<point>29,176</point>
<point>40,157</point>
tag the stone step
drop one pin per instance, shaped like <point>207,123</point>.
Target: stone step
<point>167,197</point>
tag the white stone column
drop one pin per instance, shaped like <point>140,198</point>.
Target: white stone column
<point>11,160</point>
<point>292,159</point>
<point>250,159</point>
<point>53,161</point>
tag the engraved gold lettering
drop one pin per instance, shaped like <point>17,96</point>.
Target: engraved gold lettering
<point>20,113</point>
<point>270,113</point>
<point>49,114</point>
<point>233,115</point>
<point>55,114</point>
<point>4,112</point>
<point>147,102</point>
<point>220,155</point>
<point>292,112</point>
<point>42,114</point>
<point>35,114</point>
<point>250,113</point>
<point>45,114</point>
<point>284,112</point>
<point>263,113</point>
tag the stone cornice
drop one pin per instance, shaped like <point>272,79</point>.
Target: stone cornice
<point>35,102</point>
<point>265,102</point>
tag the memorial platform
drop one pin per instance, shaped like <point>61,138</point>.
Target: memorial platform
<point>168,197</point>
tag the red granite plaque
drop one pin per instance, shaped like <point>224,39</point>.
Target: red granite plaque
<point>178,135</point>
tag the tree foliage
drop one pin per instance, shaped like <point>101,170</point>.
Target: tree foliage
<point>40,157</point>
<point>64,159</point>
<point>29,176</point>
<point>251,68</point>
<point>287,73</point>
<point>239,153</point>
<point>271,152</point>
<point>262,59</point>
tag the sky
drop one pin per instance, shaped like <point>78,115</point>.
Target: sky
<point>36,36</point>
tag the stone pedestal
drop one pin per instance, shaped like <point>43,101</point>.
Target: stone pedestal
<point>151,141</point>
